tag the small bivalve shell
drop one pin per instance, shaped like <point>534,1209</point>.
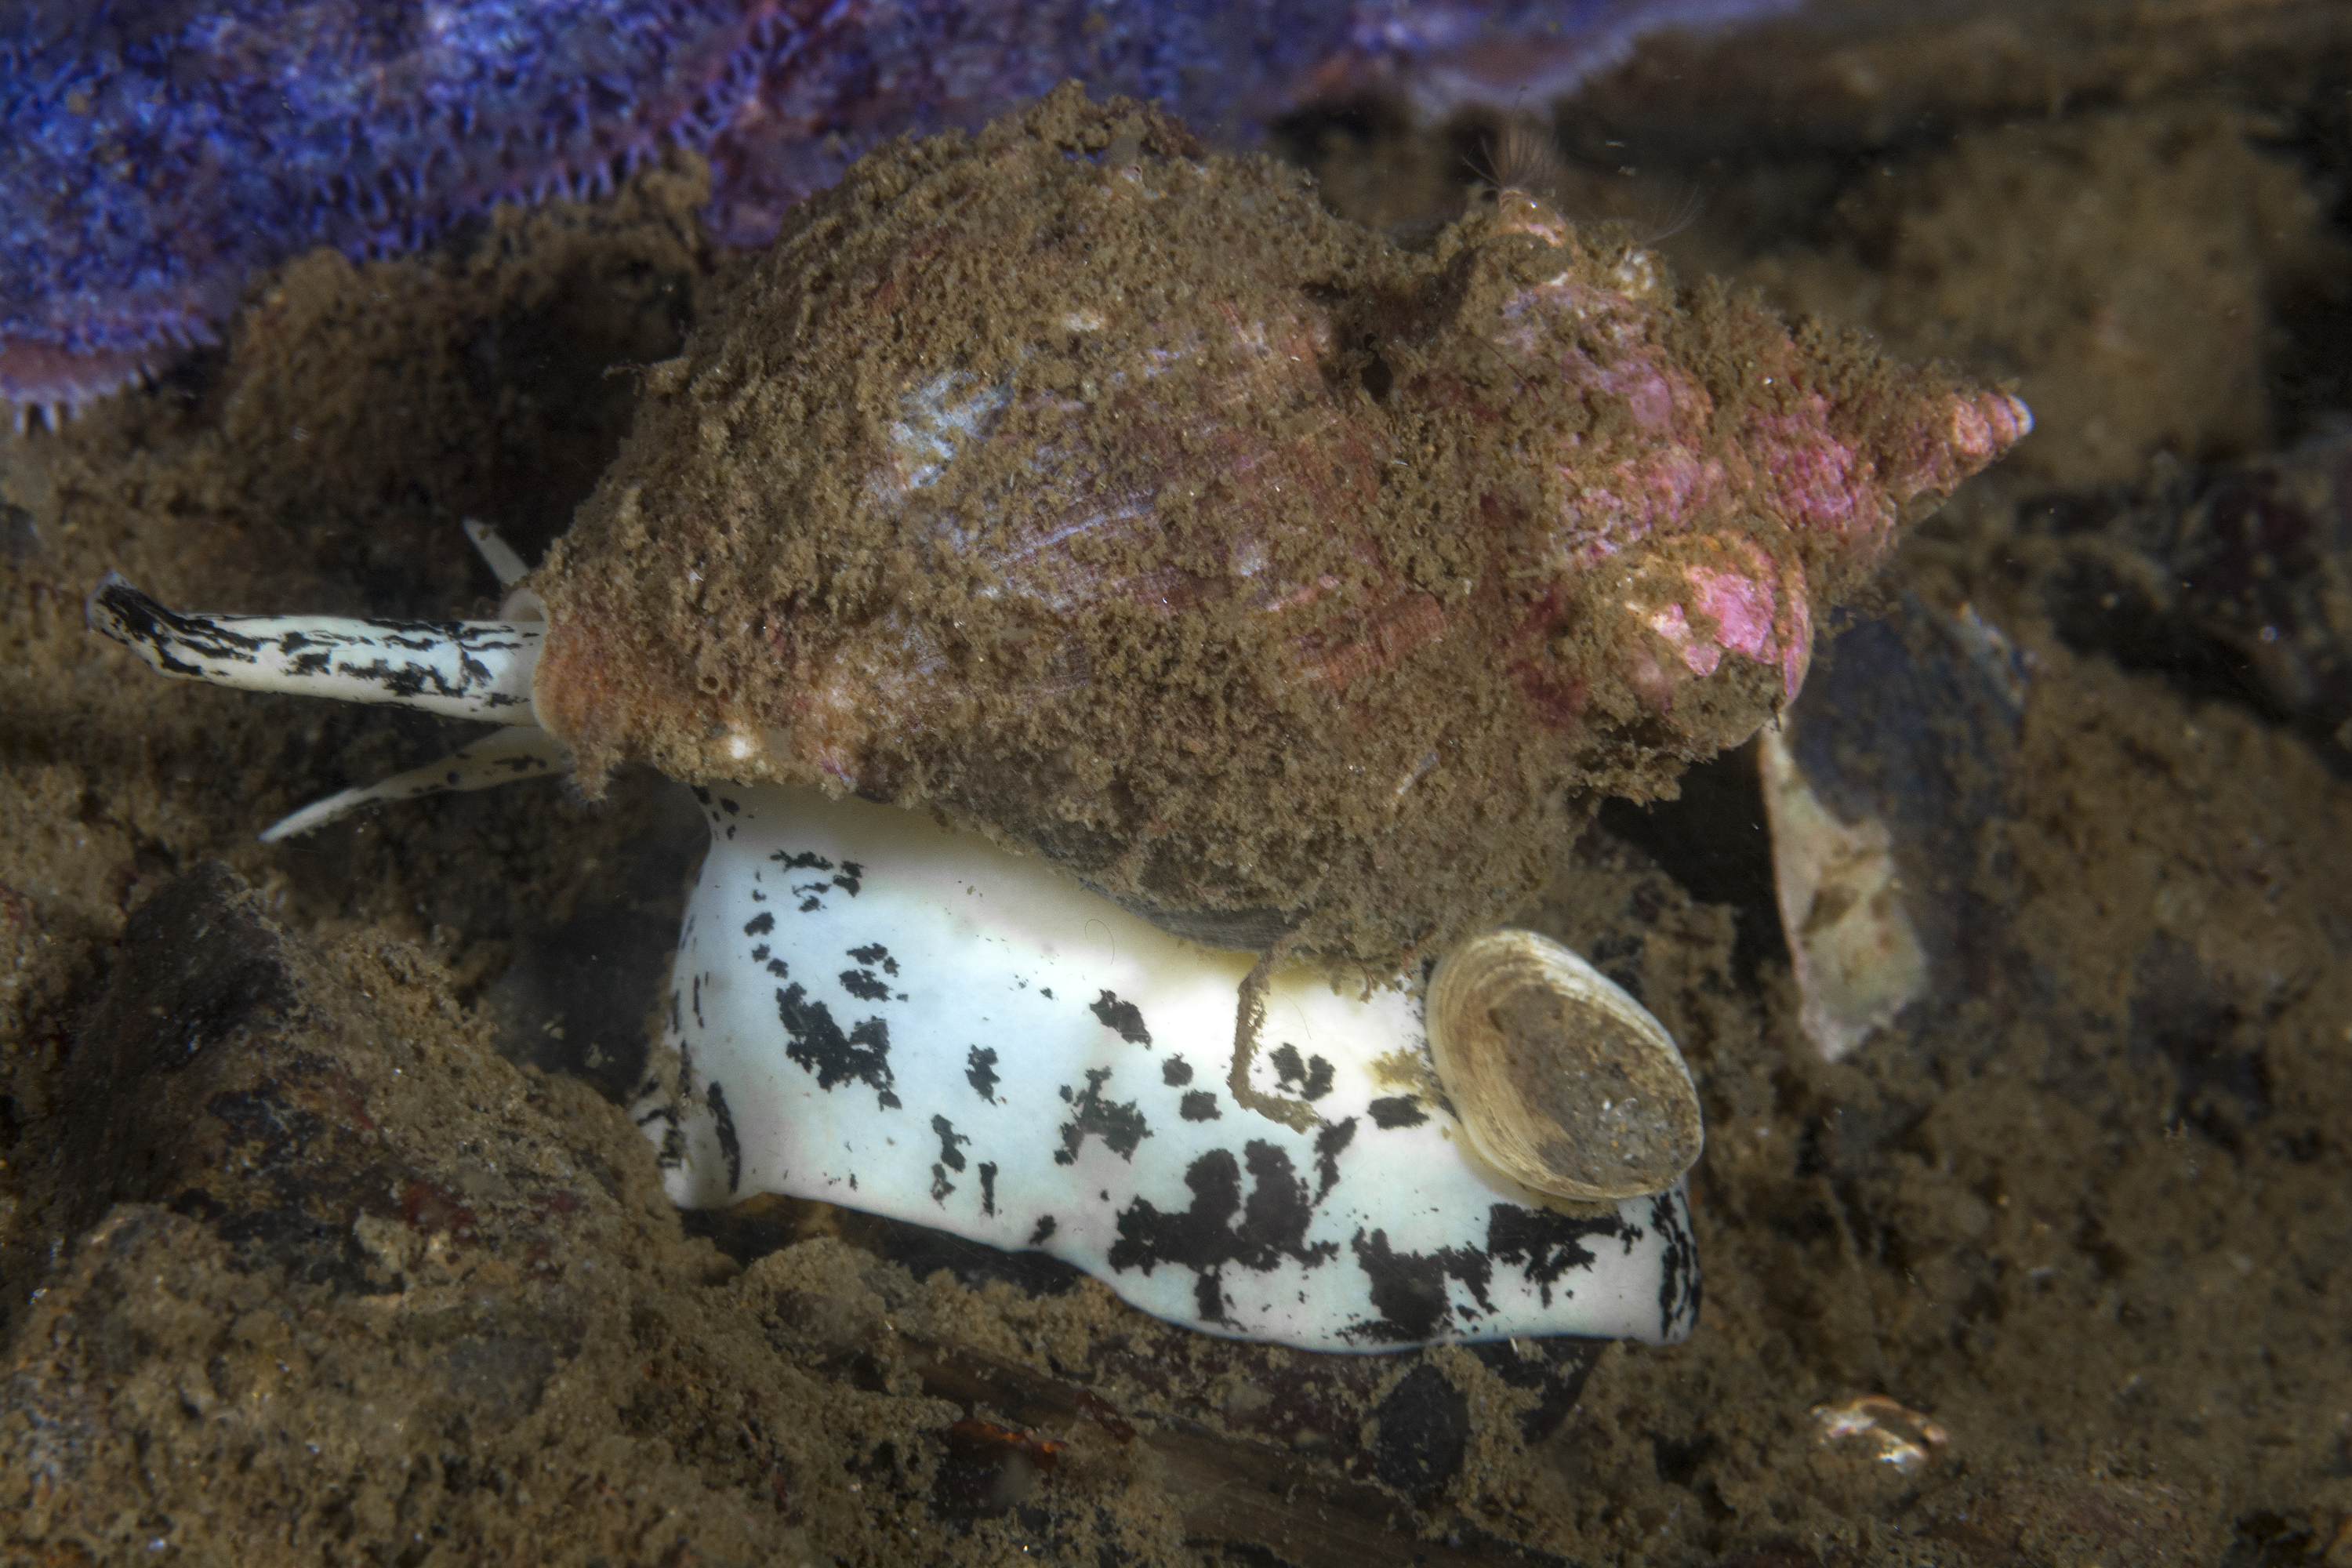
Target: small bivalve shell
<point>1563,1081</point>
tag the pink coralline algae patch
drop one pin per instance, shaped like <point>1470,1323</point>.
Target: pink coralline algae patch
<point>1795,461</point>
<point>1747,615</point>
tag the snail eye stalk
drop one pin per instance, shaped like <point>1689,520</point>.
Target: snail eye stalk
<point>458,669</point>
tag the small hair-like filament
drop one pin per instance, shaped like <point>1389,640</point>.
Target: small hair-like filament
<point>505,562</point>
<point>1524,157</point>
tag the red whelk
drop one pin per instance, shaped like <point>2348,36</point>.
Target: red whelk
<point>1295,590</point>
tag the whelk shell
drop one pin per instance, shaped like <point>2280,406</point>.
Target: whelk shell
<point>1122,502</point>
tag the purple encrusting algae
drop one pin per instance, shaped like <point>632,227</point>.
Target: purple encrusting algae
<point>152,156</point>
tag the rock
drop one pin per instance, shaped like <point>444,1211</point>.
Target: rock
<point>355,1286</point>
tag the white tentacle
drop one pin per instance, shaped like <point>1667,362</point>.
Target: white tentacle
<point>500,757</point>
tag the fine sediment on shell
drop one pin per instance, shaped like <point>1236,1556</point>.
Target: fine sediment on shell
<point>1119,500</point>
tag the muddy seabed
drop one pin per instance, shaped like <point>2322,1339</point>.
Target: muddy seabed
<point>325,1240</point>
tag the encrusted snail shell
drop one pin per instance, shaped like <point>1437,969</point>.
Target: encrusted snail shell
<point>1118,501</point>
<point>1563,1081</point>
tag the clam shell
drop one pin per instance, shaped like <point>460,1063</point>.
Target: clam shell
<point>1563,1082</point>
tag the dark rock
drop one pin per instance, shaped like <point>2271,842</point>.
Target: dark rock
<point>346,1270</point>
<point>2228,582</point>
<point>1424,1427</point>
<point>200,969</point>
<point>189,1087</point>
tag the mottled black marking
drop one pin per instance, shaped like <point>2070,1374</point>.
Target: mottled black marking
<point>940,1185</point>
<point>812,897</point>
<point>412,678</point>
<point>950,1154</point>
<point>760,924</point>
<point>1329,1144</point>
<point>702,794</point>
<point>1678,1280</point>
<point>1044,1231</point>
<point>760,953</point>
<point>1120,1127</point>
<point>1311,1080</point>
<point>1404,1110</point>
<point>731,1147</point>
<point>861,983</point>
<point>988,1188</point>
<point>141,621</point>
<point>1221,1226</point>
<point>728,807</point>
<point>1199,1105</point>
<point>873,952</point>
<point>1546,1243</point>
<point>1175,1072</point>
<point>698,1003</point>
<point>819,1045</point>
<point>806,860</point>
<point>979,1071</point>
<point>1123,1018</point>
<point>776,967</point>
<point>1208,1296</point>
<point>1407,1288</point>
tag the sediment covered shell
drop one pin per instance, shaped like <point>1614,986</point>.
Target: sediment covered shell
<point>1121,501</point>
<point>1563,1082</point>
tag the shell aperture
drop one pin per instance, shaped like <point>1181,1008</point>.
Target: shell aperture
<point>875,1010</point>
